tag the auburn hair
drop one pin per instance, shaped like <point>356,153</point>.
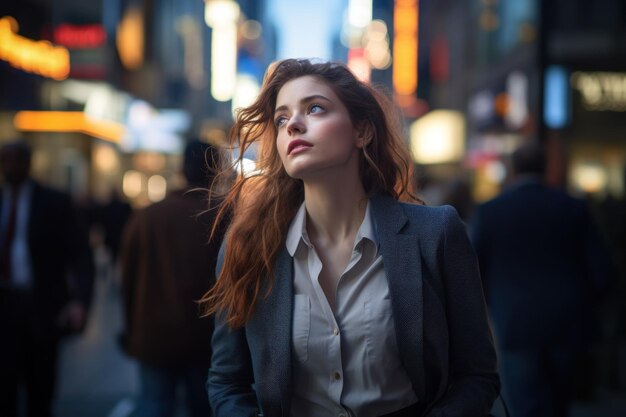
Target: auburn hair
<point>261,205</point>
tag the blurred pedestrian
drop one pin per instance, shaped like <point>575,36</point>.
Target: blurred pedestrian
<point>167,263</point>
<point>112,216</point>
<point>610,214</point>
<point>541,262</point>
<point>41,241</point>
<point>335,298</point>
<point>458,194</point>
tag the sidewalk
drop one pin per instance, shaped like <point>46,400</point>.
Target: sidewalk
<point>96,379</point>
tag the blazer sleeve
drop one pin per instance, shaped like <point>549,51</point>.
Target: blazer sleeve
<point>474,382</point>
<point>230,383</point>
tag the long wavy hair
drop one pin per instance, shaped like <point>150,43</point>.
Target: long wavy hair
<point>263,204</point>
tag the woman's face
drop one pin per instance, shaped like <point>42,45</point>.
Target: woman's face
<point>315,137</point>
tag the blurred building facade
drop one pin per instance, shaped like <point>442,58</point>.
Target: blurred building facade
<point>473,78</point>
<point>550,70</point>
<point>106,91</point>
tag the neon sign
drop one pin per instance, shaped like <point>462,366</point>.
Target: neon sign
<point>37,57</point>
<point>601,90</point>
<point>405,50</point>
<point>80,36</point>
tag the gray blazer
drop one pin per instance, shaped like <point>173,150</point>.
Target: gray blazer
<point>438,307</point>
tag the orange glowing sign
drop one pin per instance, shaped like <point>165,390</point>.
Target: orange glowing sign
<point>69,121</point>
<point>130,39</point>
<point>405,46</point>
<point>37,57</point>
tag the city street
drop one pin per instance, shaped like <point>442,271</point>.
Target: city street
<point>98,380</point>
<point>511,114</point>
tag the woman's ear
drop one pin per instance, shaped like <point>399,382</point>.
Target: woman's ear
<point>365,133</point>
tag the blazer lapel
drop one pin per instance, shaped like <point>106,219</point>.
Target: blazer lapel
<point>402,263</point>
<point>273,324</point>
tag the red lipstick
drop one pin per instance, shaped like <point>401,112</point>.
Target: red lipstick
<point>298,144</point>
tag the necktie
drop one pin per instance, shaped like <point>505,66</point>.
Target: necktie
<point>7,241</point>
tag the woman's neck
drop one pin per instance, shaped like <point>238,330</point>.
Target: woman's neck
<point>334,211</point>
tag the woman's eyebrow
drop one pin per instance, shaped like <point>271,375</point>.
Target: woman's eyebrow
<point>303,101</point>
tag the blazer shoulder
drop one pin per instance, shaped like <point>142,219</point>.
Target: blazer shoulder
<point>430,222</point>
<point>421,212</point>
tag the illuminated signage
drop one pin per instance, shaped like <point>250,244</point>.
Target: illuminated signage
<point>69,121</point>
<point>359,19</point>
<point>601,90</point>
<point>130,39</point>
<point>87,46</point>
<point>556,99</point>
<point>405,44</point>
<point>80,36</point>
<point>438,137</point>
<point>222,16</point>
<point>37,57</point>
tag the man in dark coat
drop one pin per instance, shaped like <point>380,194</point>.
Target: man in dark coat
<point>541,262</point>
<point>46,275</point>
<point>167,264</point>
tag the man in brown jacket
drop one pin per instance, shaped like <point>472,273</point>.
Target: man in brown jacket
<point>167,264</point>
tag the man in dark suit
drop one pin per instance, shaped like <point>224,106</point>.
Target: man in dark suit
<point>167,263</point>
<point>541,262</point>
<point>45,282</point>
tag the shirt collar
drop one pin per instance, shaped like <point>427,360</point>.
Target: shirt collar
<point>297,230</point>
<point>367,231</point>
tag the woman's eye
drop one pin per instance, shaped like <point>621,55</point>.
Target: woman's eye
<point>280,121</point>
<point>316,108</point>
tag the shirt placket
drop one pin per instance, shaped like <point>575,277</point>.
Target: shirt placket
<point>335,365</point>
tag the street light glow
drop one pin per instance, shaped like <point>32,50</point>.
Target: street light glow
<point>222,16</point>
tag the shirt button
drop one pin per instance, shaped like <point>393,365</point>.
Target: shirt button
<point>336,375</point>
<point>336,331</point>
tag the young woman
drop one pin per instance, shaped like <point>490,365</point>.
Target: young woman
<point>334,298</point>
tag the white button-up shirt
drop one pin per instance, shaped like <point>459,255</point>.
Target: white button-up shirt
<point>345,362</point>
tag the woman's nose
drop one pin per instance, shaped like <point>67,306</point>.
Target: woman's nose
<point>295,125</point>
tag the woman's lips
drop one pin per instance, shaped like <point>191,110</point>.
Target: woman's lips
<point>298,145</point>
